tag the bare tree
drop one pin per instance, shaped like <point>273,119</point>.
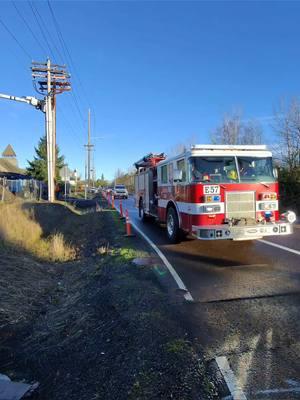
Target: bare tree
<point>287,126</point>
<point>228,132</point>
<point>251,132</point>
<point>182,147</point>
<point>234,130</point>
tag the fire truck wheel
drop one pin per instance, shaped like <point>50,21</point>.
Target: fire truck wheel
<point>173,230</point>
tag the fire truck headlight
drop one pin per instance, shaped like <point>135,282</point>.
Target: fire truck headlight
<point>289,216</point>
<point>211,209</point>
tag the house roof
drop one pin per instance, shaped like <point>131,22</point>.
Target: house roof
<point>9,152</point>
<point>7,166</point>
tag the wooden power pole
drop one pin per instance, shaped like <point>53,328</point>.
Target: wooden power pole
<point>89,148</point>
<point>50,80</point>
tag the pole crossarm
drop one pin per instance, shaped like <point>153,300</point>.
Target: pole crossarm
<point>51,78</point>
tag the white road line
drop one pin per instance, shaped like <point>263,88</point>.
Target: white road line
<point>294,387</point>
<point>230,379</point>
<point>171,269</point>
<point>279,246</point>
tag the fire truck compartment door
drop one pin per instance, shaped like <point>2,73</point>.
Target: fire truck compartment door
<point>147,194</point>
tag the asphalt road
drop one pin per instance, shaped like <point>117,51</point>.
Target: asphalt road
<point>246,306</point>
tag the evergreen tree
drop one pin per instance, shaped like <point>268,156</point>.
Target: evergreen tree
<point>102,181</point>
<point>38,167</point>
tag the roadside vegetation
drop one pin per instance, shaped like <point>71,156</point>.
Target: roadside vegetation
<point>98,326</point>
<point>20,230</point>
<point>37,168</point>
<point>289,188</point>
<point>286,125</point>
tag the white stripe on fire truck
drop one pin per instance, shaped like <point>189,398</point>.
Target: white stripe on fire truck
<point>192,208</point>
<point>197,208</point>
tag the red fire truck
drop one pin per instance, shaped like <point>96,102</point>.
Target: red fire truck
<point>212,192</point>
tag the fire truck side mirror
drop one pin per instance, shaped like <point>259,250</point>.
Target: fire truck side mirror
<point>275,172</point>
<point>177,175</point>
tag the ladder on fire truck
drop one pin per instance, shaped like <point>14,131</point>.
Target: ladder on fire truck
<point>149,161</point>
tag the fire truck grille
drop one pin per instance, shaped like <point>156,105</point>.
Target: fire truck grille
<point>240,205</point>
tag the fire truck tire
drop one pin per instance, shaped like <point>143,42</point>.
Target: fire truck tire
<point>173,230</point>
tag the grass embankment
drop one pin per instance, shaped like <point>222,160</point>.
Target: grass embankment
<point>18,228</point>
<point>98,327</point>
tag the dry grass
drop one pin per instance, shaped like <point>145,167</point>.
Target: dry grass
<point>59,250</point>
<point>8,196</point>
<point>103,249</point>
<point>19,229</point>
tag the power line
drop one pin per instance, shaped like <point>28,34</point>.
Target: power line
<point>28,27</point>
<point>70,126</point>
<point>38,16</point>
<point>68,58</point>
<point>66,50</point>
<point>41,28</point>
<point>16,40</point>
<point>49,34</point>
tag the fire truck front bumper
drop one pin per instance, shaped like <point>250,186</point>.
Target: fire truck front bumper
<point>241,232</point>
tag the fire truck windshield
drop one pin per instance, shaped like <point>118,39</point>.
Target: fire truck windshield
<point>256,169</point>
<point>213,169</point>
<point>229,169</point>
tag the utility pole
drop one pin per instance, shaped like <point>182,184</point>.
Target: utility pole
<point>65,179</point>
<point>54,133</point>
<point>85,177</point>
<point>52,79</point>
<point>89,148</point>
<point>49,135</point>
<point>75,175</point>
<point>93,168</point>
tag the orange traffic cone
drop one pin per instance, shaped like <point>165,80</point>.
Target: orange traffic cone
<point>128,226</point>
<point>121,210</point>
<point>112,201</point>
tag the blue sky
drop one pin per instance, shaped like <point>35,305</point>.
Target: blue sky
<point>155,73</point>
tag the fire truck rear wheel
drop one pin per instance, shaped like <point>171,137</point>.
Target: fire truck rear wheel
<point>173,230</point>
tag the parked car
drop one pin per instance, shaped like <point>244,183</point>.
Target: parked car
<point>120,192</point>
